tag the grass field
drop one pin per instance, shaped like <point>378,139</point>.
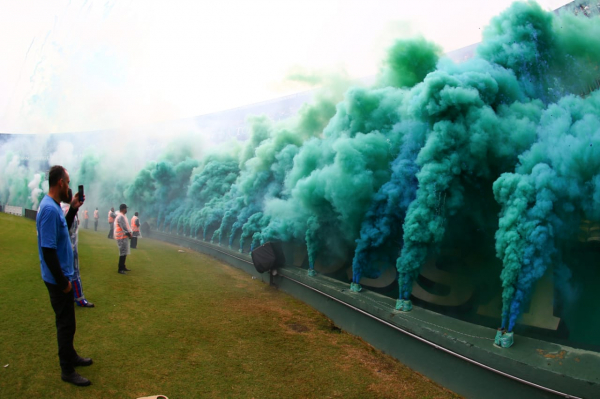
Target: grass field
<point>183,325</point>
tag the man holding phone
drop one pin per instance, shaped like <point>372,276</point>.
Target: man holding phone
<point>56,263</point>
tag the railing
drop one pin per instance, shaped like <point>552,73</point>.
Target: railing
<point>30,214</point>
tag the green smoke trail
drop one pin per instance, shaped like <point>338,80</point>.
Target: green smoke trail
<point>408,63</point>
<point>474,135</point>
<point>555,185</point>
<point>15,177</point>
<point>471,109</point>
<point>22,177</point>
<point>334,177</point>
<point>264,164</point>
<point>218,173</point>
<point>262,169</point>
<point>157,190</point>
<point>381,228</point>
<point>255,224</point>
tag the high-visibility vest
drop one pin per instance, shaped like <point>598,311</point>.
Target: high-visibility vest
<point>96,216</point>
<point>120,234</point>
<point>85,214</point>
<point>134,226</point>
<point>110,218</point>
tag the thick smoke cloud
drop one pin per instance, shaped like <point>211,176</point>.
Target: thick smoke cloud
<point>378,171</point>
<point>554,186</point>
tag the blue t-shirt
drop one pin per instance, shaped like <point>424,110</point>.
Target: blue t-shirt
<point>52,232</point>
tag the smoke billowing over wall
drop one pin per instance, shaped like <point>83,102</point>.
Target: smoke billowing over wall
<point>378,173</point>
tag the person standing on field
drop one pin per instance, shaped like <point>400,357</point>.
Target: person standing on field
<point>76,279</point>
<point>111,222</point>
<point>135,228</point>
<point>122,235</point>
<point>96,217</point>
<point>86,218</point>
<point>56,264</point>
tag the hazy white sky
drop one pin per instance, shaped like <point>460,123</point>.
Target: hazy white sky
<point>76,65</point>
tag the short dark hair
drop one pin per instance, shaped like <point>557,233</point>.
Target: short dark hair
<point>55,173</point>
<point>136,214</point>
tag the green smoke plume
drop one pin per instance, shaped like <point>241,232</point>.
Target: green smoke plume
<point>408,62</point>
<point>379,171</point>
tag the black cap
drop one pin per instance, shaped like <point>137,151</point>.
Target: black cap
<point>122,206</point>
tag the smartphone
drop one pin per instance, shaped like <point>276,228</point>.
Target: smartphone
<point>80,192</point>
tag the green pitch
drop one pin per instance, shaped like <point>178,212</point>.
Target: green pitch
<point>179,324</point>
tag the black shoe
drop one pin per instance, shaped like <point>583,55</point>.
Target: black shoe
<point>122,272</point>
<point>83,362</point>
<point>127,270</point>
<point>76,379</point>
<point>86,305</point>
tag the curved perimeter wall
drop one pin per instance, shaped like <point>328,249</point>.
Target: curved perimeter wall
<point>456,353</point>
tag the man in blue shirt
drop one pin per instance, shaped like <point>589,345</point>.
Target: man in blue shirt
<point>56,262</point>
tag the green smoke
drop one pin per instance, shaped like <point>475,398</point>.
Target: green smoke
<point>408,62</point>
<point>554,186</point>
<point>379,171</point>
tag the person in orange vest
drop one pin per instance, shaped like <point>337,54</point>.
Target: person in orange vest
<point>135,228</point>
<point>86,218</point>
<point>111,222</point>
<point>96,217</point>
<point>122,234</point>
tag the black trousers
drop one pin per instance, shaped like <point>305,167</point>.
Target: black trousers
<point>95,225</point>
<point>133,243</point>
<point>122,262</point>
<point>85,223</point>
<point>110,230</point>
<point>64,310</point>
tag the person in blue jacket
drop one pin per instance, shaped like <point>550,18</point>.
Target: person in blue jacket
<point>56,264</point>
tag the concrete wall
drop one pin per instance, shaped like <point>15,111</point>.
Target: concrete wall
<point>457,354</point>
<point>13,210</point>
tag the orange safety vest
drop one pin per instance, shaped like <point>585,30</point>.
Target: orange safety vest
<point>134,227</point>
<point>120,234</point>
<point>110,218</point>
<point>85,214</point>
